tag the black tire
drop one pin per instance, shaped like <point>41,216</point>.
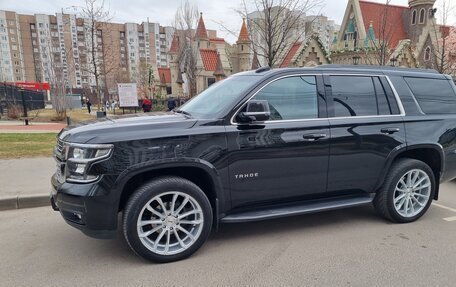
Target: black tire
<point>136,206</point>
<point>384,199</point>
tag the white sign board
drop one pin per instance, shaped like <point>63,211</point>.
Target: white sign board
<point>128,95</point>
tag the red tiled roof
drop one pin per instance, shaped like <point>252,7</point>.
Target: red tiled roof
<point>217,40</point>
<point>174,45</point>
<point>219,67</point>
<point>445,30</point>
<point>209,58</point>
<point>201,32</point>
<point>290,55</point>
<point>244,34</point>
<point>165,75</point>
<point>375,12</point>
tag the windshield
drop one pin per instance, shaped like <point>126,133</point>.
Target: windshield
<point>210,102</point>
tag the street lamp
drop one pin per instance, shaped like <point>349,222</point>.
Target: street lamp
<point>356,60</point>
<point>393,62</point>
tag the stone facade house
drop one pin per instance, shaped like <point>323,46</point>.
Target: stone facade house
<point>379,34</point>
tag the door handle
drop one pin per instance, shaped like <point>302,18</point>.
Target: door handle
<point>313,137</point>
<point>389,131</point>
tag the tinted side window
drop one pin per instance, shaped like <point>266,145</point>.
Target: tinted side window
<point>385,106</point>
<point>435,96</point>
<point>291,98</point>
<point>353,96</point>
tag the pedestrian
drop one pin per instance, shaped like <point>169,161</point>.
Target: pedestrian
<point>113,105</point>
<point>171,103</point>
<point>146,105</point>
<point>89,104</point>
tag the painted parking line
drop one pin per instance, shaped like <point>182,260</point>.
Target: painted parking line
<point>445,207</point>
<point>453,218</point>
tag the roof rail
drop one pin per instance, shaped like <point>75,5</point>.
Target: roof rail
<point>262,69</point>
<point>383,68</point>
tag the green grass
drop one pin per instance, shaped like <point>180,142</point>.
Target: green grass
<point>16,145</point>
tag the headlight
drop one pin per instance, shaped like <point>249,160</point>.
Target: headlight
<point>79,158</point>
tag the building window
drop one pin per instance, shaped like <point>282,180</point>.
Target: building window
<point>422,14</point>
<point>414,17</point>
<point>427,54</point>
<point>32,26</point>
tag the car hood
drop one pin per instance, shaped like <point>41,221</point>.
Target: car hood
<point>111,130</point>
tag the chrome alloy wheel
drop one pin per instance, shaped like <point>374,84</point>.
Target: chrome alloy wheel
<point>170,223</point>
<point>412,193</point>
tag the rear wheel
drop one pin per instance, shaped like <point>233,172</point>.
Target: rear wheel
<point>167,219</point>
<point>407,192</point>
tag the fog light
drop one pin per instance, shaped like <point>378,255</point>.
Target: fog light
<point>78,216</point>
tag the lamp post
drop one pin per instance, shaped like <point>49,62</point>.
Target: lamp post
<point>393,62</point>
<point>356,60</point>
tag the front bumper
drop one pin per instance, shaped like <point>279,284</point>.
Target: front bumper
<point>87,207</point>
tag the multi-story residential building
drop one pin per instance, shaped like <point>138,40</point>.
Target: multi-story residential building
<point>322,26</point>
<point>46,48</point>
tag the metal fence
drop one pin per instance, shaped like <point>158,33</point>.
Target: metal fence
<point>13,97</point>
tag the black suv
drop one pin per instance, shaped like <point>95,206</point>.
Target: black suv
<point>260,145</point>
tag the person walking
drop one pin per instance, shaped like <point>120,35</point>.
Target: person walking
<point>89,105</point>
<point>171,103</point>
<point>146,105</point>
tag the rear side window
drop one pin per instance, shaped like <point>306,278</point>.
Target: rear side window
<point>360,96</point>
<point>435,96</point>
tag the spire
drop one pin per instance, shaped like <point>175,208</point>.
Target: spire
<point>174,44</point>
<point>370,34</point>
<point>219,72</point>
<point>255,62</point>
<point>244,34</point>
<point>201,32</point>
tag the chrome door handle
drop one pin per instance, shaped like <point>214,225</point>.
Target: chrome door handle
<point>313,137</point>
<point>389,131</point>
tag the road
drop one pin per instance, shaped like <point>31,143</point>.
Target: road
<point>339,248</point>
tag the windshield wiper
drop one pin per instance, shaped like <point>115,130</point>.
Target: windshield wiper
<point>184,112</point>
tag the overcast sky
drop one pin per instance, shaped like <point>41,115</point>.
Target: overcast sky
<point>162,11</point>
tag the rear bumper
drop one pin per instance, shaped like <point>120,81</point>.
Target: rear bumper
<point>87,207</point>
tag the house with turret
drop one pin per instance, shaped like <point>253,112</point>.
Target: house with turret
<point>383,34</point>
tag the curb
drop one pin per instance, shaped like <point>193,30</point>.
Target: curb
<point>24,201</point>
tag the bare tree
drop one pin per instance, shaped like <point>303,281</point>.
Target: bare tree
<point>186,20</point>
<point>275,25</point>
<point>100,55</point>
<point>382,49</point>
<point>53,71</point>
<point>445,50</point>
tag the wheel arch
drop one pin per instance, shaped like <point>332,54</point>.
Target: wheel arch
<point>202,173</point>
<point>431,154</point>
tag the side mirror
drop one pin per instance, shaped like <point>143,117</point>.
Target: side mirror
<point>255,111</point>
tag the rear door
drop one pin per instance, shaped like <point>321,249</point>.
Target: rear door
<point>366,126</point>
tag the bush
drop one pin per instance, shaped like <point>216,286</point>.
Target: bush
<point>159,108</point>
<point>14,112</point>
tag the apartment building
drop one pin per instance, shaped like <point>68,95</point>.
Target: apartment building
<point>323,27</point>
<point>60,47</point>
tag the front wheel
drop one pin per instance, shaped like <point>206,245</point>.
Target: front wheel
<point>407,192</point>
<point>167,219</point>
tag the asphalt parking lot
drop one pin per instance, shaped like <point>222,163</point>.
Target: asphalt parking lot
<point>340,248</point>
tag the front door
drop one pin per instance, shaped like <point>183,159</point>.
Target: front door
<point>286,158</point>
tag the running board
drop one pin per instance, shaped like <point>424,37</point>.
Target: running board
<point>298,209</point>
